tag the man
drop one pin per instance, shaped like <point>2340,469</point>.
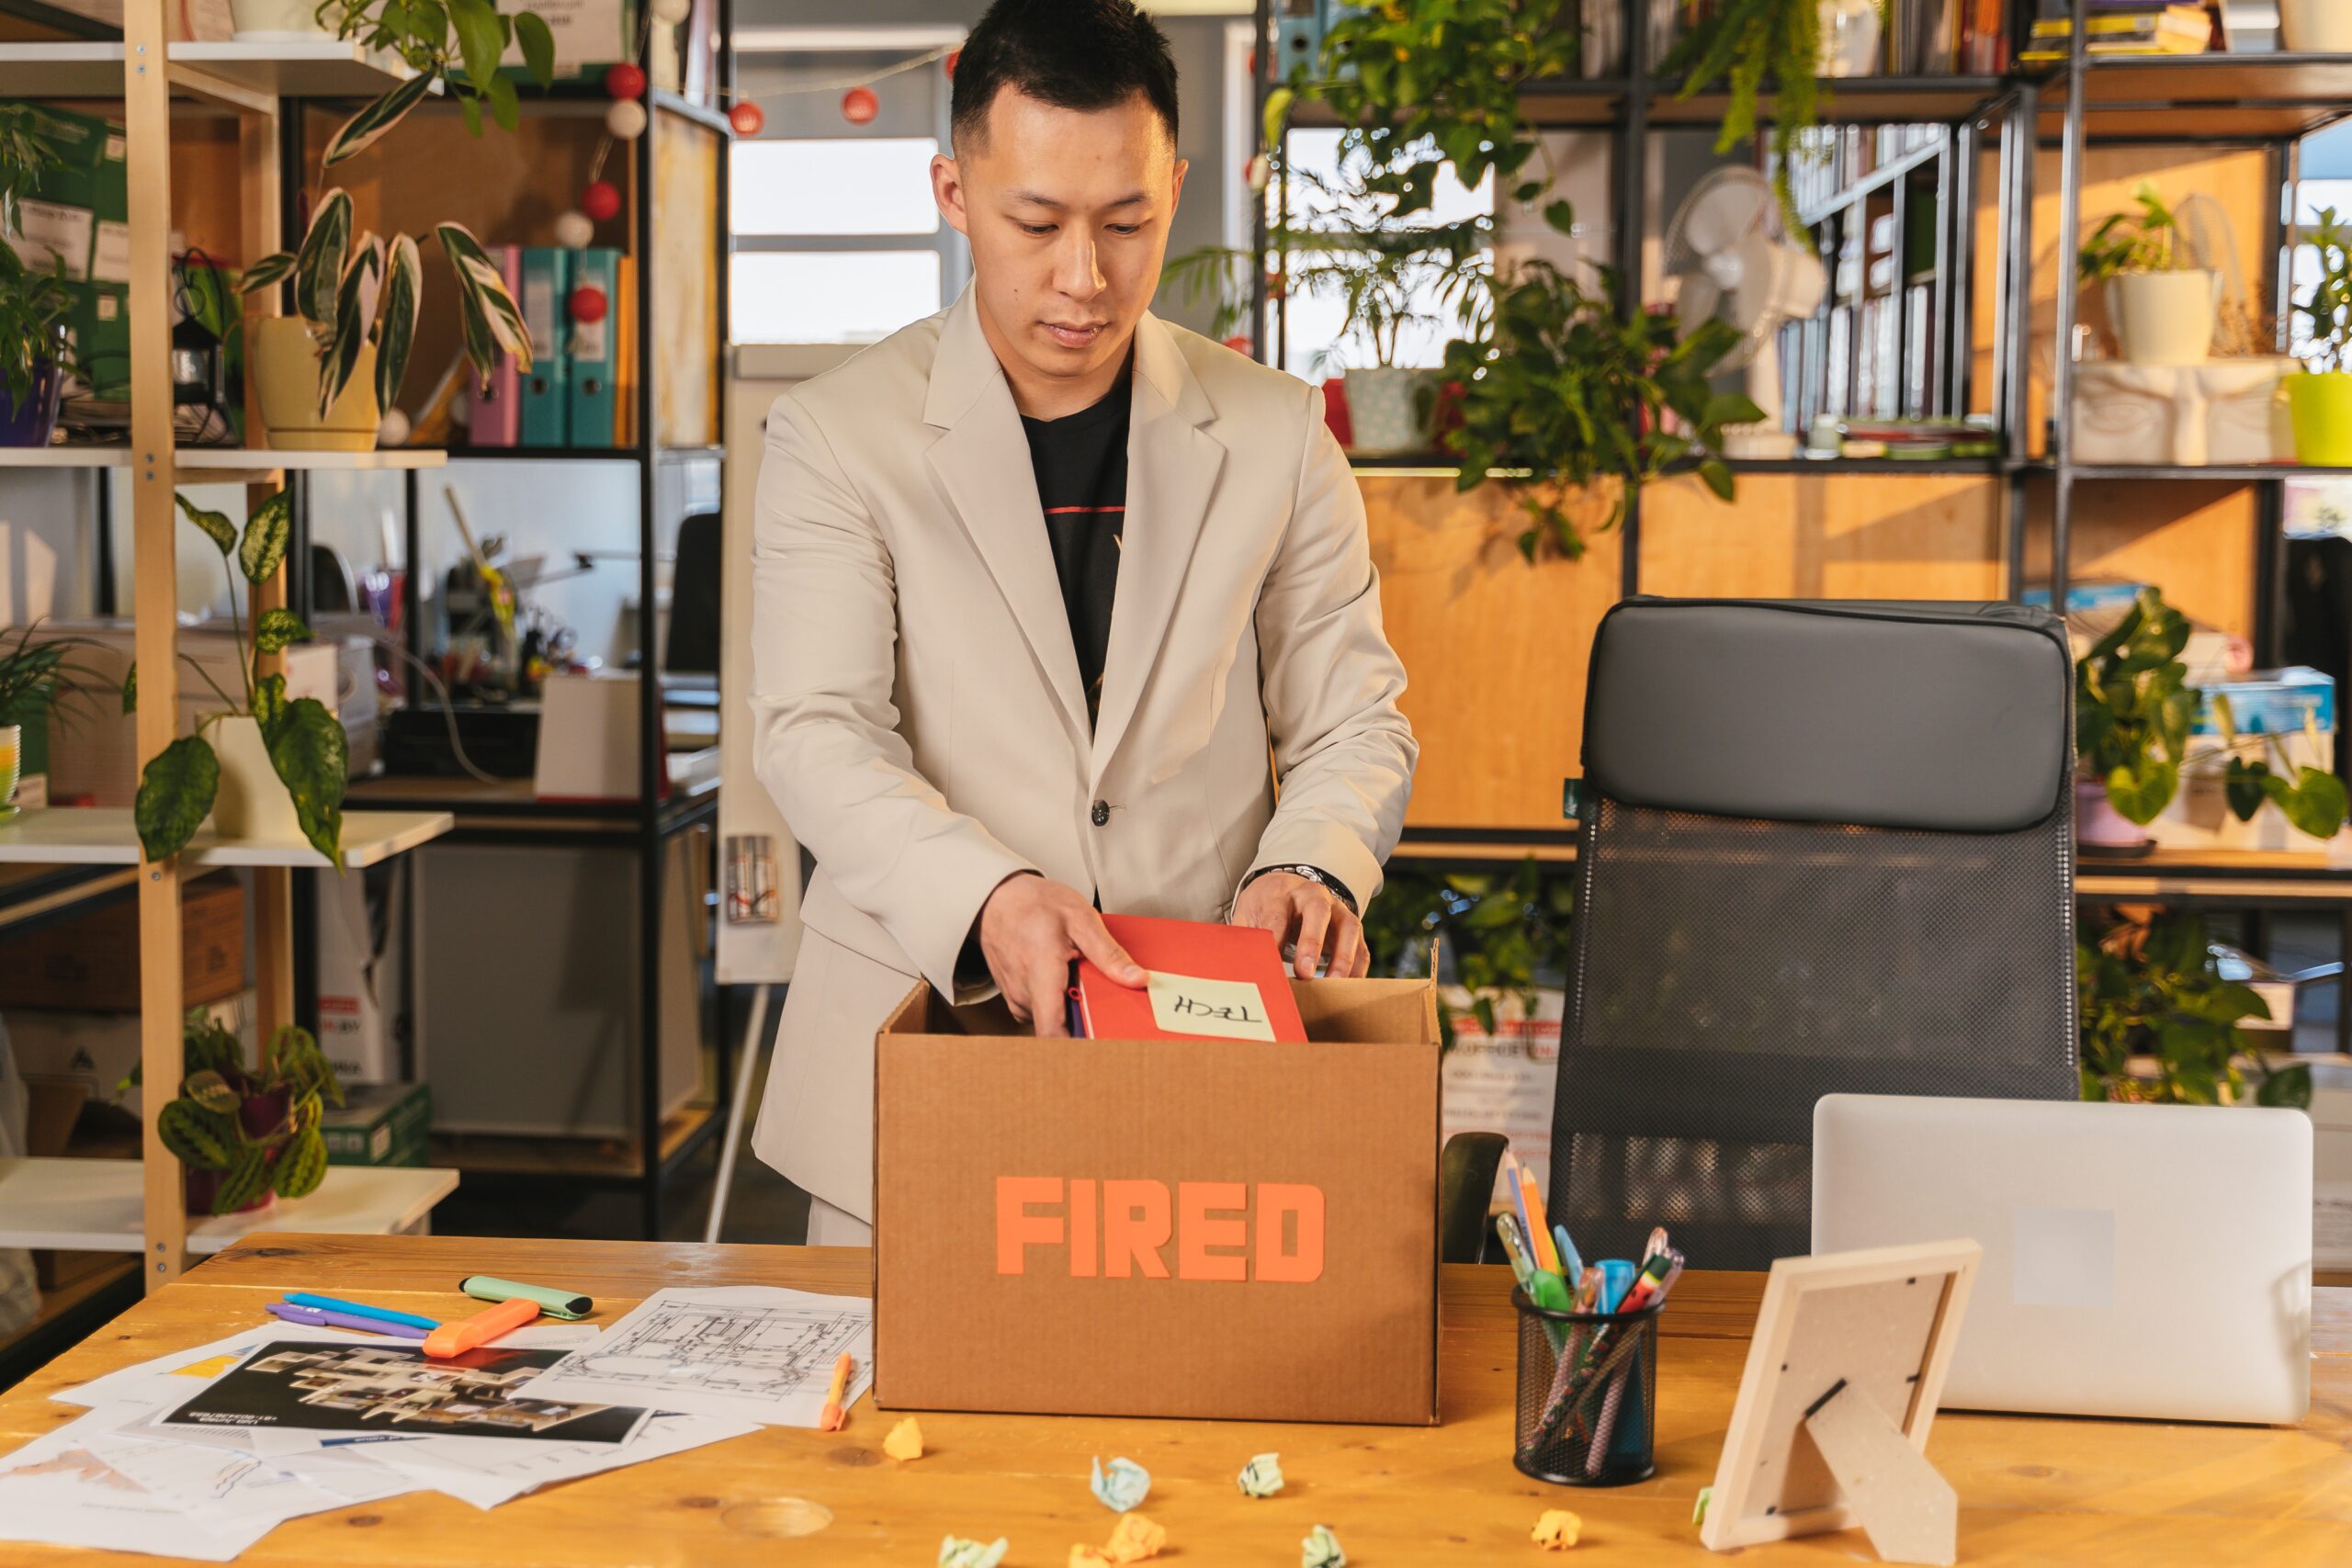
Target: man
<point>1037,583</point>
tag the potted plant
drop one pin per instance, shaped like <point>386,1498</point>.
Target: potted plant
<point>1566,388</point>
<point>2152,990</point>
<point>2311,799</point>
<point>1505,937</point>
<point>279,769</point>
<point>32,679</point>
<point>1749,43</point>
<point>33,303</point>
<point>2163,309</point>
<point>2319,396</point>
<point>325,374</point>
<point>2133,711</point>
<point>244,1135</point>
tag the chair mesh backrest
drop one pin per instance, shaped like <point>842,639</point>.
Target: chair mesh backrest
<point>1730,970</point>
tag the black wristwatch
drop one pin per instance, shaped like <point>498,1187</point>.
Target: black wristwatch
<point>1316,874</point>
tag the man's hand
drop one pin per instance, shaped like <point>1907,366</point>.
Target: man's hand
<point>1309,916</point>
<point>1029,928</point>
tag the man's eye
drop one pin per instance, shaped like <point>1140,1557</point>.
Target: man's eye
<point>1036,228</point>
<point>1127,227</point>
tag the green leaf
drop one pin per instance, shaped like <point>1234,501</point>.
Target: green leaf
<point>2286,1088</point>
<point>131,689</point>
<point>1278,103</point>
<point>175,791</point>
<point>270,269</point>
<point>2314,804</point>
<point>1561,215</point>
<point>369,124</point>
<point>2245,787</point>
<point>396,330</point>
<point>309,752</point>
<point>538,46</point>
<point>215,524</point>
<point>481,41</point>
<point>196,1136</point>
<point>1718,477</point>
<point>301,1165</point>
<point>470,108</point>
<point>2141,793</point>
<point>504,106</point>
<point>493,320</point>
<point>265,543</point>
<point>275,628</point>
<point>352,321</point>
<point>319,265</point>
<point>269,704</point>
<point>247,1179</point>
<point>211,1091</point>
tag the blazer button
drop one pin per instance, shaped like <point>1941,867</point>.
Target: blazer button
<point>1101,813</point>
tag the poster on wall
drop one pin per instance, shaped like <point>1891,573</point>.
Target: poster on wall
<point>1502,1082</point>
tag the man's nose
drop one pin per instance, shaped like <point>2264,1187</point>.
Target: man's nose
<point>1076,272</point>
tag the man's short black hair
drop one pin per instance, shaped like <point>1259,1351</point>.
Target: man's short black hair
<point>1073,55</point>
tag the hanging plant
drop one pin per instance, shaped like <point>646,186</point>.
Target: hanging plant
<point>1745,44</point>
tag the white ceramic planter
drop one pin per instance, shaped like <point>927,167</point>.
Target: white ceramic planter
<point>2096,822</point>
<point>2315,27</point>
<point>2165,318</point>
<point>251,802</point>
<point>1383,409</point>
<point>274,21</point>
<point>1850,38</point>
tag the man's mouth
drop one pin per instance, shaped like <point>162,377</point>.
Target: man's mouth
<point>1075,337</point>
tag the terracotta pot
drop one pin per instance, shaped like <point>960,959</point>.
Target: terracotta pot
<point>2096,822</point>
<point>251,802</point>
<point>285,368</point>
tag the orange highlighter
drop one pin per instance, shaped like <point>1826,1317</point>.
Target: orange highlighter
<point>457,1338</point>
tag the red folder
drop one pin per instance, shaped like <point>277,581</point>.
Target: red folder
<point>1222,957</point>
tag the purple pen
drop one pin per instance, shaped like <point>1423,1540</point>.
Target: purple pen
<point>311,1317</point>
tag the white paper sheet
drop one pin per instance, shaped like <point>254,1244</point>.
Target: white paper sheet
<point>746,1352</point>
<point>61,1489</point>
<point>488,1480</point>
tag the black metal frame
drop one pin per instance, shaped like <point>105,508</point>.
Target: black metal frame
<point>652,821</point>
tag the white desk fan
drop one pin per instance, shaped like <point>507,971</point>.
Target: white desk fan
<point>1738,266</point>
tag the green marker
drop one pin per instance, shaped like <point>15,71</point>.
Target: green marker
<point>555,1304</point>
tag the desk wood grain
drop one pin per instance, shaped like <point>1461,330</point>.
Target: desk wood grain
<point>2033,1490</point>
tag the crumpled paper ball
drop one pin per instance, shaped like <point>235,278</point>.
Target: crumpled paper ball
<point>1135,1539</point>
<point>1557,1529</point>
<point>1120,1485</point>
<point>1321,1550</point>
<point>905,1440</point>
<point>1262,1476</point>
<point>954,1551</point>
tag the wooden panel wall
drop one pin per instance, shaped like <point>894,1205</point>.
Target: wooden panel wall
<point>1801,537</point>
<point>685,286</point>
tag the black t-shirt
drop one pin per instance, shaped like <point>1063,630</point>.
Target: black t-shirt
<point>1081,465</point>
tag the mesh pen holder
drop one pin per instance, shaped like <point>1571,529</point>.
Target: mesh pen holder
<point>1588,1394</point>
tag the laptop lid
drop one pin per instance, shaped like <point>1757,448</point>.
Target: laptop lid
<point>2139,1260</point>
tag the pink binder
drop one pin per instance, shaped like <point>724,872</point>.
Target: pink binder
<point>498,408</point>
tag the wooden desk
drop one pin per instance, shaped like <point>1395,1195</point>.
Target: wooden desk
<point>2033,1490</point>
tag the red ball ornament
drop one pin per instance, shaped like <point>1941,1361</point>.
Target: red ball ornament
<point>953,56</point>
<point>747,118</point>
<point>859,106</point>
<point>624,81</point>
<point>601,200</point>
<point>589,304</point>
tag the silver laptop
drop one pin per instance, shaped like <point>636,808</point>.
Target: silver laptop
<point>2143,1260</point>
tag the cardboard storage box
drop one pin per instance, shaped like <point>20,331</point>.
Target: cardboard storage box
<point>1165,1227</point>
<point>380,1124</point>
<point>90,963</point>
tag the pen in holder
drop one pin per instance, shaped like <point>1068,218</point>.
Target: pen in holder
<point>1588,1394</point>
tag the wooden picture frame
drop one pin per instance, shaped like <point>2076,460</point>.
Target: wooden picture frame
<point>1843,1376</point>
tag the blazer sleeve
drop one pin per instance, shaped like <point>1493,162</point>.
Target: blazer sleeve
<point>824,640</point>
<point>1343,753</point>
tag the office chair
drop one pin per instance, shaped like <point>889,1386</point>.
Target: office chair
<point>1823,847</point>
<point>692,646</point>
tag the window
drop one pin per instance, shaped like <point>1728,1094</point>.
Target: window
<point>881,186</point>
<point>830,296</point>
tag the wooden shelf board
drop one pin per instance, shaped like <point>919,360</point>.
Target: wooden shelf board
<point>501,1155</point>
<point>224,463</point>
<point>105,836</point>
<point>94,1205</point>
<point>328,68</point>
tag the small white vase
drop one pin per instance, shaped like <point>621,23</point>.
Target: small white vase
<point>2315,27</point>
<point>1385,412</point>
<point>253,802</point>
<point>1851,30</point>
<point>2165,318</point>
<point>274,21</point>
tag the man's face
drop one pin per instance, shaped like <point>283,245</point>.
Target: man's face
<point>1067,212</point>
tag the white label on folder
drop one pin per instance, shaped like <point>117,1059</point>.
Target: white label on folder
<point>1187,1004</point>
<point>55,232</point>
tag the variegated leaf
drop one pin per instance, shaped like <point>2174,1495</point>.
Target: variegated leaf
<point>351,322</point>
<point>319,265</point>
<point>269,270</point>
<point>403,296</point>
<point>370,123</point>
<point>493,320</point>
<point>215,524</point>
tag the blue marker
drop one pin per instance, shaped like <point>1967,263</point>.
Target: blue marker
<point>1571,1260</point>
<point>1616,1278</point>
<point>359,1309</point>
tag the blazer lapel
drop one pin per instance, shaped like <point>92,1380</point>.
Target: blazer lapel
<point>983,461</point>
<point>1173,467</point>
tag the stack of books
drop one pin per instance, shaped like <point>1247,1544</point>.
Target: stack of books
<point>2121,27</point>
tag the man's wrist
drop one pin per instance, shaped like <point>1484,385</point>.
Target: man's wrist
<point>971,964</point>
<point>1316,874</point>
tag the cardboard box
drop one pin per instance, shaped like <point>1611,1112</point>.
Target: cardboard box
<point>1193,1228</point>
<point>97,1050</point>
<point>90,963</point>
<point>380,1124</point>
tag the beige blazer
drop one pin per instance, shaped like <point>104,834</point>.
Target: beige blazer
<point>915,693</point>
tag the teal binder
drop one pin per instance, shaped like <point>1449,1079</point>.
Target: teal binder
<point>547,283</point>
<point>592,348</point>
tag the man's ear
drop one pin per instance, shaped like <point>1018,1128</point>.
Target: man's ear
<point>1176,185</point>
<point>948,190</point>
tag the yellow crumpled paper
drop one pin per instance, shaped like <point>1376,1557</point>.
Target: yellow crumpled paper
<point>1135,1539</point>
<point>1557,1529</point>
<point>905,1440</point>
<point>1088,1557</point>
